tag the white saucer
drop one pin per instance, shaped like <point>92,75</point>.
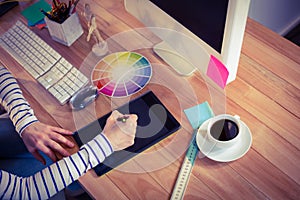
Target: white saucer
<point>232,153</point>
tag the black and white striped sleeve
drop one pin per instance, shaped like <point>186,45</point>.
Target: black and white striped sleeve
<point>12,99</point>
<point>57,176</point>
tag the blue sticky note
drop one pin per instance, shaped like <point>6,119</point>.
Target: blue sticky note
<point>37,23</point>
<point>199,114</point>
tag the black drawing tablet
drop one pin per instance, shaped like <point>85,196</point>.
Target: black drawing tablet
<point>155,123</point>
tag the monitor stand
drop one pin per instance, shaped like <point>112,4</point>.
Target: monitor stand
<point>181,65</point>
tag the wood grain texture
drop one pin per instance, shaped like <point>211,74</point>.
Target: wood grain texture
<point>265,95</point>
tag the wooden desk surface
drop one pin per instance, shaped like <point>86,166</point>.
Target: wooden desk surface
<point>265,95</point>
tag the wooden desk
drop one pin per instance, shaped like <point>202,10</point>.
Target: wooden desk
<point>265,95</point>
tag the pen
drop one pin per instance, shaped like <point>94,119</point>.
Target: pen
<point>55,3</point>
<point>72,9</point>
<point>123,119</point>
<point>47,14</point>
<point>69,7</point>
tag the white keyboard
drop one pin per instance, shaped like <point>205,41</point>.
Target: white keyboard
<point>40,60</point>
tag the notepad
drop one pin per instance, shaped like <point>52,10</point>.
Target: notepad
<point>33,13</point>
<point>155,122</point>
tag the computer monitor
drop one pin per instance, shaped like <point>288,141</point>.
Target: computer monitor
<point>6,5</point>
<point>193,30</point>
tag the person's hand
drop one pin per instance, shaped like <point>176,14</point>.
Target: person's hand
<point>121,134</point>
<point>48,139</point>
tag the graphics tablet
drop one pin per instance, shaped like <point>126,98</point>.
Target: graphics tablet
<point>155,123</point>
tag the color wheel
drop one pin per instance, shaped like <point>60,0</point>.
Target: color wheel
<point>121,74</point>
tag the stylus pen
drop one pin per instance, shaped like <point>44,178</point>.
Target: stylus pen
<point>122,119</point>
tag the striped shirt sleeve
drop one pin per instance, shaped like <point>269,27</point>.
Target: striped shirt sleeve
<point>13,101</point>
<point>57,176</point>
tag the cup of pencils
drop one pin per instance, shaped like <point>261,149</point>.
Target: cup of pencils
<point>63,22</point>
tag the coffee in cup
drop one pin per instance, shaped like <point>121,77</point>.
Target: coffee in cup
<point>224,130</point>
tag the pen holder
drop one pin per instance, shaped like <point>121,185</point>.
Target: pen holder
<point>67,32</point>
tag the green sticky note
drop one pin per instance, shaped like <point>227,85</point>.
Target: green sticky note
<point>33,13</point>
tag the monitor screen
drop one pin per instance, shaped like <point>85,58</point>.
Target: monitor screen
<point>194,30</point>
<point>194,16</point>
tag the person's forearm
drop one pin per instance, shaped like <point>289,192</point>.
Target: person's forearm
<point>13,101</point>
<point>57,176</point>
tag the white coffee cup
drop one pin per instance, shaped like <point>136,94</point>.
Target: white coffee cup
<point>224,130</point>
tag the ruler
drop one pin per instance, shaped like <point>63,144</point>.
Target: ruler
<point>196,116</point>
<point>186,169</point>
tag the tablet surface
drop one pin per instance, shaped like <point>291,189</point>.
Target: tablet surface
<point>155,123</point>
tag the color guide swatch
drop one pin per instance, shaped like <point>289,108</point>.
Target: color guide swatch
<point>121,74</point>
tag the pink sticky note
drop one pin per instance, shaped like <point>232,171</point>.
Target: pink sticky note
<point>217,71</point>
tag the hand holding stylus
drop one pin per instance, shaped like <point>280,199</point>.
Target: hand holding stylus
<point>120,130</point>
